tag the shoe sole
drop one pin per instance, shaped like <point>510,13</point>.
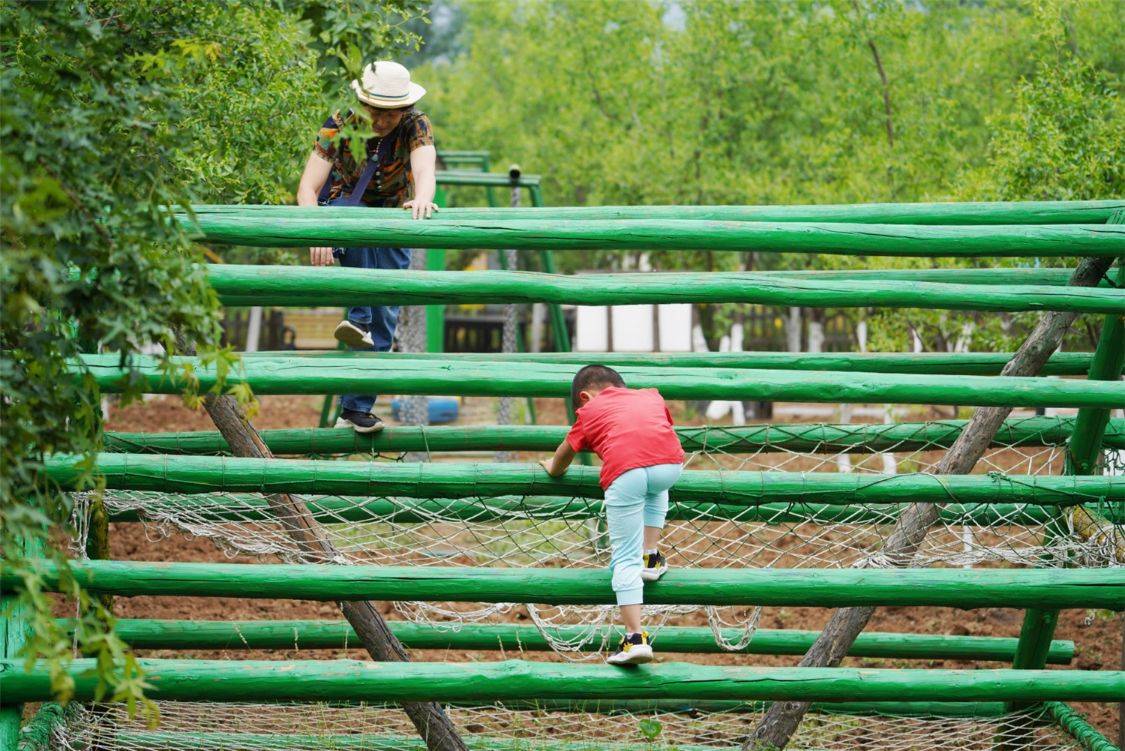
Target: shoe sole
<point>638,655</point>
<point>652,574</point>
<point>342,423</point>
<point>350,336</point>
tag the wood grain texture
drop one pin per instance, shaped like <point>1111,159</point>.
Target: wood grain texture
<point>346,375</point>
<point>1010,212</point>
<point>360,229</point>
<point>209,474</point>
<point>298,286</point>
<point>959,588</point>
<point>348,680</point>
<point>814,438</point>
<point>179,634</point>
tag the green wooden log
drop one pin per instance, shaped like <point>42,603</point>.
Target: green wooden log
<point>1014,212</point>
<point>39,732</point>
<point>815,438</point>
<point>453,377</point>
<point>924,363</point>
<point>299,286</point>
<point>485,179</point>
<point>342,509</point>
<point>172,634</point>
<point>209,474</point>
<point>360,229</point>
<point>826,588</point>
<point>1076,725</point>
<point>350,681</point>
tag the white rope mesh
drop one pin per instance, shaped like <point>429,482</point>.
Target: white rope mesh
<point>565,532</point>
<point>241,727</point>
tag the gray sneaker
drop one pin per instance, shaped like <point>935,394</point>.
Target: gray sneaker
<point>360,422</point>
<point>352,335</point>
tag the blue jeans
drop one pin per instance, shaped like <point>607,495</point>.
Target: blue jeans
<point>379,320</point>
<point>635,500</point>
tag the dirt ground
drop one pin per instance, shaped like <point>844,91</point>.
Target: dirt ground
<point>1098,635</point>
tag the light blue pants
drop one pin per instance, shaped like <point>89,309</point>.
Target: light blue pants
<point>635,500</point>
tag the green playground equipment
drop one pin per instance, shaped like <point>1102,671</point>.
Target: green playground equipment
<point>766,516</point>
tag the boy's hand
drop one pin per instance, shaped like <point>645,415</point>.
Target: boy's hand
<point>546,464</point>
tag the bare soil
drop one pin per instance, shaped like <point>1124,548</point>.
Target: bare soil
<point>1097,634</point>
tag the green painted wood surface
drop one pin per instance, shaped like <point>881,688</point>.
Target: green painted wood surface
<point>814,438</point>
<point>1075,724</point>
<point>1014,212</point>
<point>923,363</point>
<point>349,680</point>
<point>334,509</point>
<point>485,179</point>
<point>359,229</point>
<point>202,474</point>
<point>181,634</point>
<point>327,375</point>
<point>829,588</point>
<point>14,632</point>
<point>300,286</point>
<point>1084,457</point>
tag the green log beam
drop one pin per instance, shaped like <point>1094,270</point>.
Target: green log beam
<point>300,286</point>
<point>332,509</point>
<point>826,588</point>
<point>359,229</point>
<point>353,680</point>
<point>345,375</point>
<point>1077,726</point>
<point>209,474</point>
<point>1016,212</point>
<point>815,438</point>
<point>483,180</point>
<point>170,634</point>
<point>923,363</point>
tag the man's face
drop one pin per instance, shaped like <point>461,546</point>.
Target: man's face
<point>383,121</point>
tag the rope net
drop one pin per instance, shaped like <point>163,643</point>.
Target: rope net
<point>495,727</point>
<point>569,532</point>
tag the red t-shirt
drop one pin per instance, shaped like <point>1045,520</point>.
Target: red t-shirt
<point>627,429</point>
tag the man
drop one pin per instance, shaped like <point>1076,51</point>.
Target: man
<point>398,171</point>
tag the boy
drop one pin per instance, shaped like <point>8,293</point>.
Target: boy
<point>631,432</point>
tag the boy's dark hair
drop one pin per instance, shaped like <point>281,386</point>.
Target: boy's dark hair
<point>594,375</point>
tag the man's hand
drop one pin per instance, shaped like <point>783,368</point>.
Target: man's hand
<point>320,256</point>
<point>421,209</point>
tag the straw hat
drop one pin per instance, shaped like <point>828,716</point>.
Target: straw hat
<point>386,84</point>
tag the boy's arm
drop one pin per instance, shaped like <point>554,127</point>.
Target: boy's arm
<point>558,463</point>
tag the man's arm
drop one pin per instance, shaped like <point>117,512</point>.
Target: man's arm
<point>423,166</point>
<point>317,169</point>
<point>558,463</point>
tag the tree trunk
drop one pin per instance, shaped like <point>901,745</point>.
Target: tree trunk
<point>781,721</point>
<point>429,718</point>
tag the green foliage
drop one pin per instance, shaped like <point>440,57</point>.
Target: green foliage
<point>115,111</point>
<point>631,102</point>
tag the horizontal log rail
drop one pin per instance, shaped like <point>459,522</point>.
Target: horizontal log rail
<point>814,438</point>
<point>360,229</point>
<point>335,509</point>
<point>352,681</point>
<point>826,588</point>
<point>179,634</point>
<point>922,363</point>
<point>344,375</point>
<point>298,286</point>
<point>1013,212</point>
<point>210,474</point>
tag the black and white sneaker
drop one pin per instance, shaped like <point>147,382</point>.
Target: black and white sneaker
<point>352,335</point>
<point>634,650</point>
<point>360,422</point>
<point>654,567</point>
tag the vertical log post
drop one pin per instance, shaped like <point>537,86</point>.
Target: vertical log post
<point>430,720</point>
<point>781,720</point>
